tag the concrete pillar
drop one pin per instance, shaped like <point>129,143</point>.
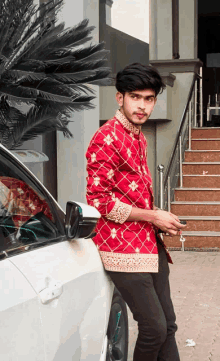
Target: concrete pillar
<point>153,30</point>
<point>160,29</point>
<point>71,162</point>
<point>109,4</point>
<point>188,29</point>
<point>164,29</point>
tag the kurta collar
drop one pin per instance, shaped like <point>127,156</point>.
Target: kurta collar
<point>125,122</point>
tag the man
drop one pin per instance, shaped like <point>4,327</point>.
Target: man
<point>119,185</point>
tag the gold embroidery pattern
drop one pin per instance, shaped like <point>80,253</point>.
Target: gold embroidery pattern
<point>120,212</point>
<point>137,262</point>
<point>125,122</point>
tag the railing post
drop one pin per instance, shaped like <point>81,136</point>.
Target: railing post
<point>190,127</point>
<point>195,106</point>
<point>168,195</point>
<point>160,169</point>
<point>208,108</point>
<point>181,166</point>
<point>201,101</point>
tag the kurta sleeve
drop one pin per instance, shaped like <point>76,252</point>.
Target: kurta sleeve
<point>102,164</point>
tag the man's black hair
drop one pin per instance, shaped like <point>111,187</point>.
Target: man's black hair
<point>138,76</point>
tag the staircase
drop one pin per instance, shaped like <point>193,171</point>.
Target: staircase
<point>198,202</point>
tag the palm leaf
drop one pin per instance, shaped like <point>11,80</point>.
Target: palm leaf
<point>29,126</point>
<point>45,69</point>
<point>97,51</point>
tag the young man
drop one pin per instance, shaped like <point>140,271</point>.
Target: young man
<point>119,185</point>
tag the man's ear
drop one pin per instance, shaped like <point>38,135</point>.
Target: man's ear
<point>119,97</point>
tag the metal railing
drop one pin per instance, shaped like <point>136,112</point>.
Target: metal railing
<point>173,175</point>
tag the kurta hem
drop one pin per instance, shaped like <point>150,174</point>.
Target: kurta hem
<point>132,262</point>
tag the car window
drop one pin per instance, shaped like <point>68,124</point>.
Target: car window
<point>26,215</point>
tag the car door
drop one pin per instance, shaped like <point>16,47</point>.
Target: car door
<point>20,326</point>
<point>73,290</point>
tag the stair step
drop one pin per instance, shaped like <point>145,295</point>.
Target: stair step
<point>205,144</point>
<point>201,224</point>
<point>201,234</point>
<point>202,155</point>
<point>200,218</point>
<point>201,168</point>
<point>195,208</point>
<point>205,138</point>
<point>197,189</point>
<point>196,128</point>
<point>202,181</point>
<point>210,132</point>
<point>194,241</point>
<point>197,194</point>
<point>205,163</point>
<point>197,202</point>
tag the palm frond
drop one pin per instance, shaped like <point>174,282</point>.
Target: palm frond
<point>46,70</point>
<point>71,36</point>
<point>22,17</point>
<point>37,29</point>
<point>95,50</point>
<point>16,75</point>
<point>34,123</point>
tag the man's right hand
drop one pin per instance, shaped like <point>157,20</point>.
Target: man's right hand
<point>167,222</point>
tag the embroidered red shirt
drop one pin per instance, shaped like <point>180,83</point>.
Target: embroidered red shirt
<point>119,179</point>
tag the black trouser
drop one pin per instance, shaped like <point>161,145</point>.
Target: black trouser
<point>148,297</point>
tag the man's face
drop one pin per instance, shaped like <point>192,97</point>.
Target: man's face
<point>137,105</point>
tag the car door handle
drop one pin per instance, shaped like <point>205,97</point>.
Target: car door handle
<point>51,292</point>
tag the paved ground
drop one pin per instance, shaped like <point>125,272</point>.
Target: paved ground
<point>195,287</point>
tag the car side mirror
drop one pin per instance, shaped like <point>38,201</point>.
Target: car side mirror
<point>80,220</point>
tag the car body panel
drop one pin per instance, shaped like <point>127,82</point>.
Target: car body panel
<point>20,328</point>
<point>74,324</point>
<point>66,295</point>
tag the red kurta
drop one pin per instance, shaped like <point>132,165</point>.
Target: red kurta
<point>119,179</point>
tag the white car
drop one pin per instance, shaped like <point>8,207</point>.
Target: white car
<point>56,301</point>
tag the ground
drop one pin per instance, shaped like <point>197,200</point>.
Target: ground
<point>195,281</point>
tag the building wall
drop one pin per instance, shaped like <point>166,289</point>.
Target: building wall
<point>108,104</point>
<point>124,49</point>
<point>188,24</point>
<point>149,131</point>
<point>36,168</point>
<point>161,29</point>
<point>71,160</point>
<point>166,132</point>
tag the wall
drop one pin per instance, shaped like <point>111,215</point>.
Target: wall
<point>163,105</point>
<point>188,25</point>
<point>164,29</point>
<point>108,103</point>
<point>36,168</point>
<point>71,160</point>
<point>166,132</point>
<point>149,131</point>
<point>125,49</point>
<point>160,29</point>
